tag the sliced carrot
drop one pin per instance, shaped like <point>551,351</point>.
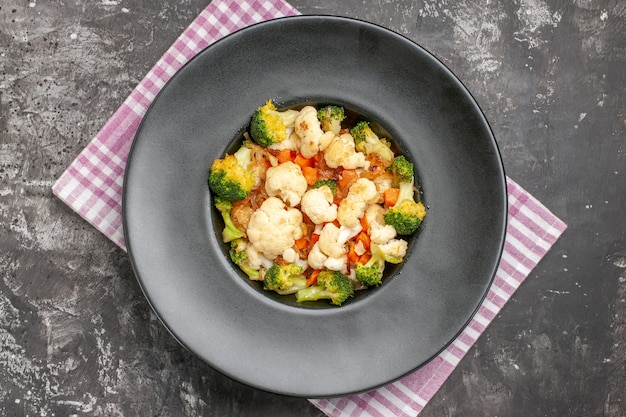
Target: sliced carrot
<point>364,223</point>
<point>302,161</point>
<point>302,243</point>
<point>364,239</point>
<point>312,280</point>
<point>365,258</point>
<point>352,255</point>
<point>390,195</point>
<point>310,174</point>
<point>347,178</point>
<point>284,155</point>
<point>314,238</point>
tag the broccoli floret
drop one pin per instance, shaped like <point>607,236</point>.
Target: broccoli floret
<point>269,126</point>
<point>371,273</point>
<point>230,232</point>
<point>284,279</point>
<point>331,285</point>
<point>368,142</point>
<point>239,257</point>
<point>407,214</point>
<point>332,184</point>
<point>331,118</point>
<point>402,170</point>
<point>230,177</point>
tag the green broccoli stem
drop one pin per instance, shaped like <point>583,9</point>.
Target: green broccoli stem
<point>407,190</point>
<point>240,258</point>
<point>331,285</point>
<point>367,141</point>
<point>313,293</point>
<point>243,156</point>
<point>297,284</point>
<point>230,232</point>
<point>249,271</point>
<point>287,116</point>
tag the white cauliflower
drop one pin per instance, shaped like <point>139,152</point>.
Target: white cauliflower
<point>316,257</point>
<point>287,182</point>
<point>326,140</point>
<point>292,142</point>
<point>375,214</point>
<point>381,233</point>
<point>382,182</point>
<point>342,152</point>
<point>337,264</point>
<point>378,231</point>
<point>256,259</point>
<point>290,255</point>
<point>328,252</point>
<point>347,233</point>
<point>394,250</point>
<point>319,260</point>
<point>274,227</point>
<point>308,127</point>
<point>364,189</point>
<point>352,208</point>
<point>317,203</point>
<point>350,211</point>
<point>329,241</point>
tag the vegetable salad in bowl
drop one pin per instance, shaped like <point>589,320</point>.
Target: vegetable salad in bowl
<point>313,207</point>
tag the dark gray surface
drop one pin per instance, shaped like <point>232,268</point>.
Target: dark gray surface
<point>77,336</point>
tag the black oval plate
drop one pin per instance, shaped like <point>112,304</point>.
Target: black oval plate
<point>176,252</point>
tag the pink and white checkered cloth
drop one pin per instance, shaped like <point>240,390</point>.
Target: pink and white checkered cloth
<point>92,186</point>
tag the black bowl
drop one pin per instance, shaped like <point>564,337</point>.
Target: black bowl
<point>270,342</point>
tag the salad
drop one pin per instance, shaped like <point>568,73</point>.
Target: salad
<point>312,207</point>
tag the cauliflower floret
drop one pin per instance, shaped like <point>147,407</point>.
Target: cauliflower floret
<point>364,189</point>
<point>256,259</point>
<point>347,233</point>
<point>352,208</point>
<point>290,255</point>
<point>382,182</point>
<point>328,252</point>
<point>286,181</point>
<point>292,142</point>
<point>342,152</point>
<point>337,264</point>
<point>274,227</point>
<point>394,250</point>
<point>350,211</point>
<point>378,231</point>
<point>326,140</point>
<point>308,127</point>
<point>316,257</point>
<point>317,203</point>
<point>375,214</point>
<point>381,233</point>
<point>329,241</point>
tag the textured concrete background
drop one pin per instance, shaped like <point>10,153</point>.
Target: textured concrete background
<point>77,337</point>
